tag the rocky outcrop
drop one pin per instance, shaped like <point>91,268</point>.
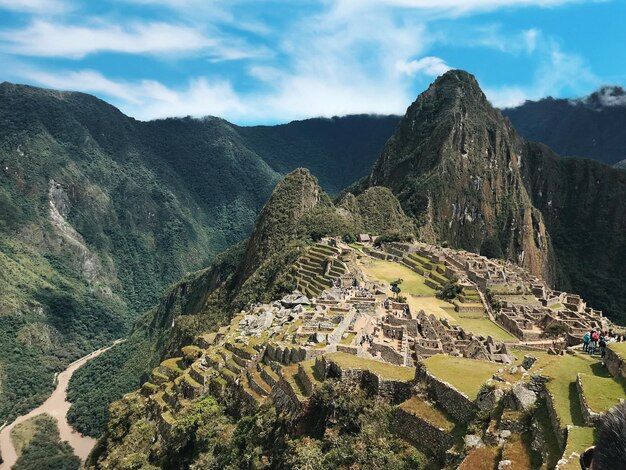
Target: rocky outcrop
<point>455,165</point>
<point>296,195</point>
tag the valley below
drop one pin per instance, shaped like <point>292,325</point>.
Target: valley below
<point>57,407</point>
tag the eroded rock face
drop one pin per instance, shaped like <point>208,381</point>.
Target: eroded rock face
<point>523,397</point>
<point>455,164</point>
<point>74,243</point>
<point>489,398</point>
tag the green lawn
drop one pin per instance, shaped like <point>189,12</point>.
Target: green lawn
<point>174,363</point>
<point>602,393</point>
<point>466,375</point>
<point>618,348</point>
<point>428,412</point>
<point>390,271</point>
<point>563,370</point>
<point>578,439</point>
<point>385,370</point>
<point>480,326</point>
<point>348,339</point>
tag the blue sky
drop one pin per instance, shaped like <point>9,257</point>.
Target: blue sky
<point>264,62</point>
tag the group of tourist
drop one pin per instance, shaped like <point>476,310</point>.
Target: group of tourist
<point>596,341</point>
<point>366,339</point>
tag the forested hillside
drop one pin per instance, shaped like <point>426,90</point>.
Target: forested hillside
<point>99,213</point>
<point>591,127</point>
<point>298,213</point>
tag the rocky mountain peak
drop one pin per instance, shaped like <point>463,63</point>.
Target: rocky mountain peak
<point>295,196</point>
<point>454,164</point>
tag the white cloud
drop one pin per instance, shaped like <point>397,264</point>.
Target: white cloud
<point>465,6</point>
<point>355,56</point>
<point>560,71</point>
<point>45,39</point>
<point>431,66</point>
<point>148,99</point>
<point>530,39</point>
<point>35,6</point>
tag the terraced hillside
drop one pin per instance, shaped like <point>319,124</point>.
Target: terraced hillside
<point>318,269</point>
<point>473,403</point>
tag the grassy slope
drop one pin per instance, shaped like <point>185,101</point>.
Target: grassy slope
<point>152,201</point>
<point>466,375</point>
<point>390,271</point>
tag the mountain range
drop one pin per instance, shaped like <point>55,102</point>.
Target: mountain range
<point>590,127</point>
<point>100,213</point>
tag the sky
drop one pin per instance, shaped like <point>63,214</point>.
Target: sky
<point>272,61</point>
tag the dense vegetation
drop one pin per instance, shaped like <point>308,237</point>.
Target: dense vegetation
<point>467,179</point>
<point>41,446</point>
<point>583,128</point>
<point>297,214</point>
<point>343,428</point>
<point>99,213</point>
<point>586,219</point>
<point>107,378</point>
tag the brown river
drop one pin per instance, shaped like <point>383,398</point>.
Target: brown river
<point>56,406</point>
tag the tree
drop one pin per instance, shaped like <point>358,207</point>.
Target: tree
<point>491,248</point>
<point>395,287</point>
<point>554,331</point>
<point>450,290</point>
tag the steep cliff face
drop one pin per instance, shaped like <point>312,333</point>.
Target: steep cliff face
<point>582,202</point>
<point>294,197</point>
<point>455,165</point>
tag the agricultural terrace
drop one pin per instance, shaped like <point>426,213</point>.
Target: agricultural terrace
<point>466,375</point>
<point>422,297</point>
<point>390,271</point>
<point>600,388</point>
<point>385,370</point>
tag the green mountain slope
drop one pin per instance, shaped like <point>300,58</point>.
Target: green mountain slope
<point>259,270</point>
<point>460,169</point>
<point>99,213</point>
<point>592,127</point>
<point>583,205</point>
<point>454,163</point>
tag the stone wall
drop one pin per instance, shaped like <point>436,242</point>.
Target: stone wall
<point>510,325</point>
<point>284,396</point>
<point>373,384</point>
<point>394,391</point>
<point>388,354</point>
<point>375,253</point>
<point>423,435</point>
<point>456,403</point>
<point>309,387</point>
<point>291,355</point>
<point>615,363</point>
<point>560,431</point>
<point>411,325</point>
<point>354,350</point>
<point>591,417</point>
